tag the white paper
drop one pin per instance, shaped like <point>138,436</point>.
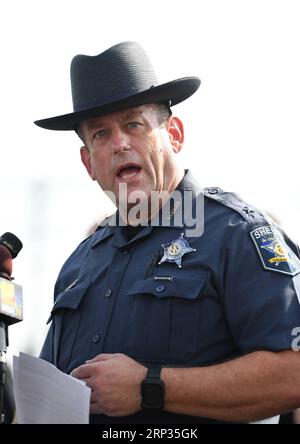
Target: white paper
<point>45,395</point>
<point>272,420</point>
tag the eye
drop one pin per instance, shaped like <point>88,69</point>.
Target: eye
<point>133,125</point>
<point>100,134</point>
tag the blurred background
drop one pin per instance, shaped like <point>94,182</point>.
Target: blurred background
<point>242,127</point>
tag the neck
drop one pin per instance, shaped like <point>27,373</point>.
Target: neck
<point>146,210</point>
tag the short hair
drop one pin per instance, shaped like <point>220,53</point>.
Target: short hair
<point>163,112</point>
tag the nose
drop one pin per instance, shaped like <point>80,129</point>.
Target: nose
<point>119,141</point>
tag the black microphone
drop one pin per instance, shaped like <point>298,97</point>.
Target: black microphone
<point>11,305</point>
<point>11,302</point>
<point>12,243</point>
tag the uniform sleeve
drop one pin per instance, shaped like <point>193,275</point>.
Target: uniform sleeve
<point>47,349</point>
<point>261,304</point>
<point>47,352</point>
<point>67,277</point>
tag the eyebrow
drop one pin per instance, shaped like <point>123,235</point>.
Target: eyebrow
<point>127,115</point>
<point>131,113</point>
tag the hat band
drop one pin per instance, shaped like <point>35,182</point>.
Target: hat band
<point>106,99</point>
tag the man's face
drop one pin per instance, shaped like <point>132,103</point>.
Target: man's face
<point>131,147</point>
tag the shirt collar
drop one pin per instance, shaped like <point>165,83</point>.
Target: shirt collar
<point>171,215</point>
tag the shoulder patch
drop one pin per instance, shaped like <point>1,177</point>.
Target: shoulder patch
<point>273,251</point>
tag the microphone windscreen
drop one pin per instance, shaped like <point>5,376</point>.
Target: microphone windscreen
<point>11,242</point>
<point>5,262</point>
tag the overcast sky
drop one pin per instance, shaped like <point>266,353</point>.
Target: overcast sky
<point>242,126</point>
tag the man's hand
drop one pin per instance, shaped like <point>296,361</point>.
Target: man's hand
<point>115,381</point>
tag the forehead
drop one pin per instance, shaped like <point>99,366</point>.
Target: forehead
<point>139,111</point>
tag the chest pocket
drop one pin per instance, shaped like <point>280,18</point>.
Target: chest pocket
<point>66,315</point>
<point>164,319</point>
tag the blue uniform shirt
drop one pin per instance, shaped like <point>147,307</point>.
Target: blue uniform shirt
<point>234,295</point>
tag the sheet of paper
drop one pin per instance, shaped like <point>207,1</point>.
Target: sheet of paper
<point>45,395</point>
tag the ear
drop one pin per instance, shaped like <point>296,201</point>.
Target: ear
<point>86,160</point>
<point>176,133</point>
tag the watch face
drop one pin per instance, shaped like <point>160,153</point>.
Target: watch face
<point>153,395</point>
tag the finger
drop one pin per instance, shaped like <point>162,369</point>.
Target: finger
<point>83,372</point>
<point>94,398</point>
<point>95,408</point>
<point>102,357</point>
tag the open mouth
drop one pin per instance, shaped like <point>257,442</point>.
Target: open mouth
<point>128,171</point>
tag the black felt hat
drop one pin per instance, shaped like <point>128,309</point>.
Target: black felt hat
<point>119,78</point>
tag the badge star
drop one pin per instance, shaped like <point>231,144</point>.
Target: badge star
<point>175,250</point>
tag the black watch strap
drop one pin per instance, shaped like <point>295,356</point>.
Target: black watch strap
<point>153,389</point>
<point>153,373</point>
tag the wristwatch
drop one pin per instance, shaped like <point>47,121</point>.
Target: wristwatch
<point>153,390</point>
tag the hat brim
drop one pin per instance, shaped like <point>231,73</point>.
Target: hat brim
<point>170,93</point>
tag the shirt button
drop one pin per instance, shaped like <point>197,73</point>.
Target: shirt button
<point>160,288</point>
<point>108,293</point>
<point>96,339</point>
<point>247,210</point>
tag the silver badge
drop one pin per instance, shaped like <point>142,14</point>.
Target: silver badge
<point>175,250</point>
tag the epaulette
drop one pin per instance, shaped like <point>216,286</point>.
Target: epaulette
<point>106,221</point>
<point>234,201</point>
<point>101,226</point>
<point>86,239</point>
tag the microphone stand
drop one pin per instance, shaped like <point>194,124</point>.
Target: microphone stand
<point>3,348</point>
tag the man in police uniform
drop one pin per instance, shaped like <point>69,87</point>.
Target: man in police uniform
<point>165,325</point>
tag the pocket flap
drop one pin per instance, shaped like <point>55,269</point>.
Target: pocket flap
<point>179,287</point>
<point>69,298</point>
